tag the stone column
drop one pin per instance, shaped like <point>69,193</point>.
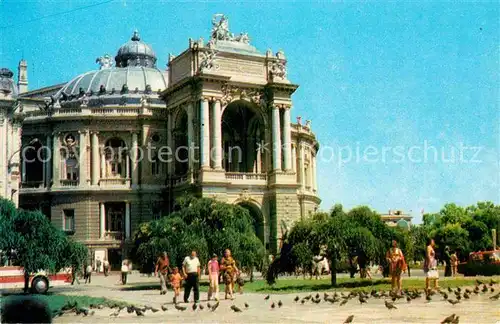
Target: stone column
<point>217,131</point>
<point>95,158</point>
<point>259,160</point>
<point>102,219</point>
<point>294,158</point>
<point>191,144</point>
<point>170,144</point>
<point>48,164</point>
<point>287,141</point>
<point>104,173</point>
<point>302,166</point>
<point>127,220</point>
<point>135,167</point>
<point>314,170</point>
<point>204,134</point>
<point>56,158</point>
<point>82,159</point>
<point>276,131</point>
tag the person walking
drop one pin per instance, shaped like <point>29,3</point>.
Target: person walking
<point>88,274</point>
<point>228,265</point>
<point>454,263</point>
<point>175,281</point>
<point>447,260</point>
<point>161,270</point>
<point>98,264</point>
<point>124,270</point>
<point>105,264</point>
<point>397,265</point>
<point>213,277</point>
<point>430,266</point>
<point>191,268</point>
<point>74,275</point>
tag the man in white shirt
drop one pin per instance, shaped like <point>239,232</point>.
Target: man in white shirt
<point>191,269</point>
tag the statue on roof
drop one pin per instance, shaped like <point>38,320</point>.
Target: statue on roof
<point>104,61</point>
<point>220,28</point>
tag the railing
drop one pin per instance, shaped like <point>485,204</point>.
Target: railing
<point>32,185</point>
<point>113,182</point>
<point>117,236</point>
<point>245,176</point>
<point>94,111</point>
<point>69,183</point>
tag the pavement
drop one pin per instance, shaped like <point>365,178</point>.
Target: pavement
<point>479,309</point>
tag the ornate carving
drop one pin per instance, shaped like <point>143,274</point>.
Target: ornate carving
<point>229,93</point>
<point>220,31</point>
<point>278,70</point>
<point>85,100</point>
<point>123,101</point>
<point>145,101</point>
<point>104,61</point>
<point>208,60</point>
<point>245,195</point>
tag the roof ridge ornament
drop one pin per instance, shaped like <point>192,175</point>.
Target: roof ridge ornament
<point>135,36</point>
<point>220,31</point>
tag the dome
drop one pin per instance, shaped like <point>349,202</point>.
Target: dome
<point>113,80</point>
<point>135,53</point>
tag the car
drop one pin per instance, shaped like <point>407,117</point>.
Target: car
<point>12,277</point>
<point>485,263</point>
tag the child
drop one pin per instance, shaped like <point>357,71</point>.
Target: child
<point>213,276</point>
<point>240,282</point>
<point>175,281</point>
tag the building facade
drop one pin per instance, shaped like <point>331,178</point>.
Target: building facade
<point>115,147</point>
<point>397,218</point>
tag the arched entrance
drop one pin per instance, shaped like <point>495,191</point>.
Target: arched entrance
<point>242,134</point>
<point>257,219</point>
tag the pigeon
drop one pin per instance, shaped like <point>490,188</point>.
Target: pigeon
<point>235,309</point>
<point>280,303</point>
<point>390,305</point>
<point>459,289</point>
<point>456,320</point>
<point>164,308</point>
<point>317,301</point>
<point>466,296</point>
<point>130,309</point>
<point>273,305</point>
<point>209,305</point>
<point>349,319</point>
<point>325,296</point>
<point>302,301</point>
<point>428,298</point>
<point>267,297</point>
<point>202,307</point>
<point>495,297</point>
<point>448,319</point>
<point>139,312</point>
<point>246,305</point>
<point>408,299</point>
<point>195,306</point>
<point>181,308</point>
<point>307,297</point>
<point>445,296</point>
<point>154,310</point>
<point>115,313</point>
<point>344,302</point>
<point>492,290</point>
<point>453,302</point>
<point>361,299</point>
<point>296,299</point>
<point>214,307</point>
<point>485,289</point>
<point>479,282</point>
<point>317,295</point>
<point>100,306</point>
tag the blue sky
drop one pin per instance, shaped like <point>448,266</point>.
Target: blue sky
<point>412,80</point>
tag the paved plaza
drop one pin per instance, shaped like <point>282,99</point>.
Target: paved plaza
<point>479,309</point>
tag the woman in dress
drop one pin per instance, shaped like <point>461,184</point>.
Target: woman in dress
<point>228,265</point>
<point>430,266</point>
<point>397,265</point>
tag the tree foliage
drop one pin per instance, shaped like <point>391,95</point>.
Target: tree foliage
<point>200,224</point>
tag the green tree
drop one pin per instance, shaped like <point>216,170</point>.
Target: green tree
<point>200,224</point>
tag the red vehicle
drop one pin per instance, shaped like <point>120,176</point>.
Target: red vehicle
<point>13,278</point>
<point>481,263</point>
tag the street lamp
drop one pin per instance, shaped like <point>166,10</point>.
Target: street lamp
<point>11,192</point>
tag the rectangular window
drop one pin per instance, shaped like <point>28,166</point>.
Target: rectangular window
<point>69,220</point>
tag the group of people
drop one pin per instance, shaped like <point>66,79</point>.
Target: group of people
<point>398,265</point>
<point>191,273</point>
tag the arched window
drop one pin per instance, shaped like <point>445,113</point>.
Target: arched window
<point>71,168</point>
<point>117,159</point>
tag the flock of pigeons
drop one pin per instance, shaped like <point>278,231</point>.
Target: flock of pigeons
<point>452,296</point>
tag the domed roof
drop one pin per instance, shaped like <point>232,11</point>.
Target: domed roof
<point>135,53</point>
<point>113,80</point>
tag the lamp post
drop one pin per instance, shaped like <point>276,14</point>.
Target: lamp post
<point>11,192</point>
